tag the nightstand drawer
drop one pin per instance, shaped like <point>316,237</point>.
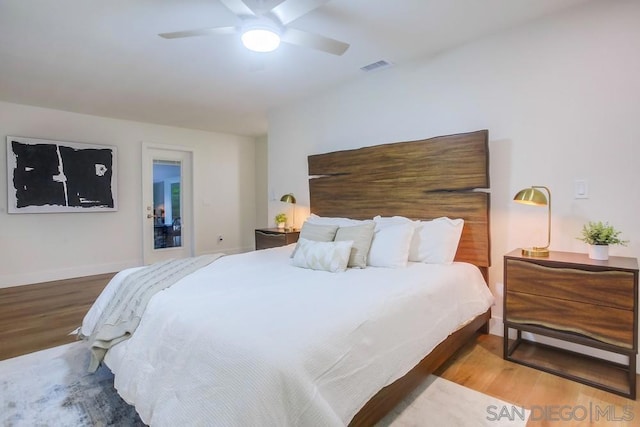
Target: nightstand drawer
<point>603,288</point>
<point>268,240</point>
<point>271,238</point>
<point>606,324</point>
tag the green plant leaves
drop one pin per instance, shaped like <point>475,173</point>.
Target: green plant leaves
<point>599,233</point>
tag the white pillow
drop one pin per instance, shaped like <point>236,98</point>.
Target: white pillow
<point>325,220</point>
<point>361,236</point>
<point>390,246</point>
<point>386,221</point>
<point>433,242</point>
<point>325,256</point>
<point>436,241</point>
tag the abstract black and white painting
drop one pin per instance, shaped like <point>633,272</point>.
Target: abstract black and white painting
<point>54,176</point>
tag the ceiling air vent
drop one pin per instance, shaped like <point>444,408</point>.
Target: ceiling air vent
<point>377,65</point>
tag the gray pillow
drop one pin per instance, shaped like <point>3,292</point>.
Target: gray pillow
<point>316,233</point>
<point>361,235</point>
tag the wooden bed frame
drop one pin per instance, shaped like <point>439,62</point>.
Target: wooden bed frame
<point>424,180</point>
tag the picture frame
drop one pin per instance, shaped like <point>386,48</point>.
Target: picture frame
<point>47,176</point>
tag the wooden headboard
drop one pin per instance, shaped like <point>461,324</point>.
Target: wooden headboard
<point>417,179</point>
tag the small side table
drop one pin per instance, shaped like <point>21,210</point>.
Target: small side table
<point>572,298</point>
<point>273,237</point>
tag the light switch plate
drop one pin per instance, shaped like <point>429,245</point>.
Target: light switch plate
<point>580,189</point>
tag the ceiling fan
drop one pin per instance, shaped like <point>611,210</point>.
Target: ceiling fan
<point>262,31</point>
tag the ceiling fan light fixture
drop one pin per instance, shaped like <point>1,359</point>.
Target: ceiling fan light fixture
<point>263,26</point>
<point>260,39</point>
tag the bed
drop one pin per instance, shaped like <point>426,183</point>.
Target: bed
<point>252,339</point>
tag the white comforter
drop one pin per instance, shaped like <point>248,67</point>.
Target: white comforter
<point>251,340</point>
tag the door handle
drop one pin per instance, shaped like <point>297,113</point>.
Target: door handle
<point>150,214</point>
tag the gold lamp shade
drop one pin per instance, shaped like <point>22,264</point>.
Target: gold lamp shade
<point>533,196</point>
<point>290,198</point>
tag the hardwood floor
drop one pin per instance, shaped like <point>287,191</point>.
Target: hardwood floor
<point>554,401</point>
<point>39,316</point>
<point>35,317</point>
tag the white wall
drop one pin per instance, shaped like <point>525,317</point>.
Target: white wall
<point>559,96</point>
<point>262,176</point>
<point>42,247</point>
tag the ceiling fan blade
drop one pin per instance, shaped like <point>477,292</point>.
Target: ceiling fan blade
<point>238,7</point>
<point>290,10</point>
<point>201,32</point>
<point>314,41</point>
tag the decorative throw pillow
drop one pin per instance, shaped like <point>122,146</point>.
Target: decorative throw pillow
<point>390,246</point>
<point>325,256</point>
<point>361,235</point>
<point>436,241</point>
<point>317,233</point>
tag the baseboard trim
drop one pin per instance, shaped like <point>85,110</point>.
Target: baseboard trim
<point>11,280</point>
<point>496,327</point>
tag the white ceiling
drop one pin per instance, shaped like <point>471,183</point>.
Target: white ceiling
<point>105,57</point>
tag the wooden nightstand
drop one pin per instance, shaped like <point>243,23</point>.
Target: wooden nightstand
<point>273,237</point>
<point>572,298</point>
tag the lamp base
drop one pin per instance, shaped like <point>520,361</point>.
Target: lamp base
<point>535,252</point>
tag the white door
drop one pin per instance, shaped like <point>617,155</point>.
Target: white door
<point>167,203</point>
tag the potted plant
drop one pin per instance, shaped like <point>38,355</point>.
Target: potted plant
<point>281,220</point>
<point>599,236</point>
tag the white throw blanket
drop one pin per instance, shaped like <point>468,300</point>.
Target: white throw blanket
<point>122,316</point>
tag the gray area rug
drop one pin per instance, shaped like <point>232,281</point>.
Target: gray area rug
<point>53,388</point>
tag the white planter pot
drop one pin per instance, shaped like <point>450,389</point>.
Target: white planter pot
<point>281,225</point>
<point>599,252</point>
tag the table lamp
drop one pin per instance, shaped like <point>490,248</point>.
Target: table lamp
<point>289,198</point>
<point>533,196</point>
